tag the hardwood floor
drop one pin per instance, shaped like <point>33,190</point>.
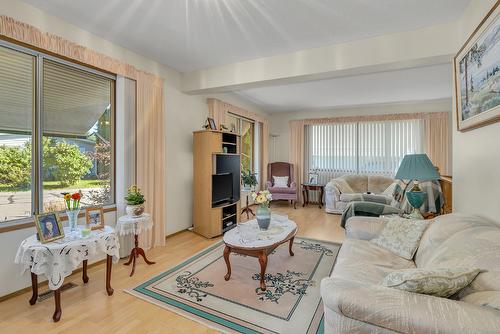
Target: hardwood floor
<point>87,308</point>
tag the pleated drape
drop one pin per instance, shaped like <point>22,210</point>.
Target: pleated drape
<point>265,154</point>
<point>296,151</point>
<point>151,153</point>
<point>436,140</point>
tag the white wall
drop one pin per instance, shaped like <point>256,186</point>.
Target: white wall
<point>184,114</point>
<point>476,156</point>
<point>279,121</point>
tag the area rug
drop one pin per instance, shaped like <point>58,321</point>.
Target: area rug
<point>292,303</point>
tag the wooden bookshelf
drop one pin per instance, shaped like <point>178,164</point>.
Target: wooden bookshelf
<point>211,147</point>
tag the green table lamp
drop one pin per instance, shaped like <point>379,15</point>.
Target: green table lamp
<point>416,167</point>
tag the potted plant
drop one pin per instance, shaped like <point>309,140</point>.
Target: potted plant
<point>249,179</point>
<point>263,213</point>
<point>135,202</point>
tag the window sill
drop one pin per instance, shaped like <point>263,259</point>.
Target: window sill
<point>29,222</point>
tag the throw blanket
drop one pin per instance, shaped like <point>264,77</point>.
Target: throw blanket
<point>433,203</point>
<point>369,198</point>
<point>399,204</point>
<point>367,209</point>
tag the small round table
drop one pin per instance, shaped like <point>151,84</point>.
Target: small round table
<point>135,225</point>
<point>281,230</point>
<point>306,187</point>
<point>57,259</point>
<point>247,208</point>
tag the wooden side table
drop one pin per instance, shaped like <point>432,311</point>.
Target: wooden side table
<point>57,259</point>
<point>306,187</point>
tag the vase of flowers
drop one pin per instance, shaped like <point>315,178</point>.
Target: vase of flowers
<point>263,213</point>
<point>72,209</point>
<point>135,202</point>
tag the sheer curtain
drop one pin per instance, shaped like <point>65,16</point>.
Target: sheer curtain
<point>372,148</point>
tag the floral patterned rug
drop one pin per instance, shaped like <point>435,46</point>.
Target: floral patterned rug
<point>292,303</point>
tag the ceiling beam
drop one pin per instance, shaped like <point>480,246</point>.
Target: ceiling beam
<point>423,47</point>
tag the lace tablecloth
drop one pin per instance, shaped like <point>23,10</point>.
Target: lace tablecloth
<point>133,225</point>
<point>57,259</point>
<point>278,230</point>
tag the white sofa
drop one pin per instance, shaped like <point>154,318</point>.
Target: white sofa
<point>356,302</point>
<point>347,188</point>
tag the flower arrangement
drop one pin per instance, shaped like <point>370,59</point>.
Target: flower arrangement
<point>263,213</point>
<point>75,198</point>
<point>262,197</point>
<point>134,196</point>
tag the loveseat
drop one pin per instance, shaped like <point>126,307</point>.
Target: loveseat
<point>347,188</point>
<point>355,302</point>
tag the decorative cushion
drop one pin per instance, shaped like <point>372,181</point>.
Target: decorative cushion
<point>401,236</point>
<point>435,282</point>
<point>343,186</point>
<point>280,181</point>
<point>484,298</point>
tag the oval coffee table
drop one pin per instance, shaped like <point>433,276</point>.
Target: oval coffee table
<point>280,231</point>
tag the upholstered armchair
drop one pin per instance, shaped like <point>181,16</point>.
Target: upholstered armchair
<point>282,193</point>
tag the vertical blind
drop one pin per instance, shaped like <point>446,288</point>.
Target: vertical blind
<point>371,148</point>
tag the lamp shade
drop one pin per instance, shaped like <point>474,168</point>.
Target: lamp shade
<point>417,167</point>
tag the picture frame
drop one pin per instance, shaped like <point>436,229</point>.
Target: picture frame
<point>476,75</point>
<point>48,227</point>
<point>211,123</point>
<point>313,178</point>
<point>94,217</point>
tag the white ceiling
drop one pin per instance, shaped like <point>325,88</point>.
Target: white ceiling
<point>195,34</point>
<point>416,84</point>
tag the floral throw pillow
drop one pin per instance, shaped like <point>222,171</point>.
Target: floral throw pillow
<point>402,236</point>
<point>436,282</point>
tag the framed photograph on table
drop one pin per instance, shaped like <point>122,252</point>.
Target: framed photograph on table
<point>477,75</point>
<point>313,178</point>
<point>211,123</point>
<point>48,227</point>
<point>95,218</point>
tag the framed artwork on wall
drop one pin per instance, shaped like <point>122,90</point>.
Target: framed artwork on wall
<point>477,75</point>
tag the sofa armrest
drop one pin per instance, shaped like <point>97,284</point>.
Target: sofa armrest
<point>364,228</point>
<point>293,185</point>
<point>406,312</point>
<point>269,184</point>
<point>330,188</point>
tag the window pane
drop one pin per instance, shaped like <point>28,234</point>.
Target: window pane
<point>233,123</point>
<point>17,88</point>
<point>246,145</point>
<point>77,136</point>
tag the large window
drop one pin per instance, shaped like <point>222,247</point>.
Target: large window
<point>246,128</point>
<point>56,133</point>
<point>373,148</point>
